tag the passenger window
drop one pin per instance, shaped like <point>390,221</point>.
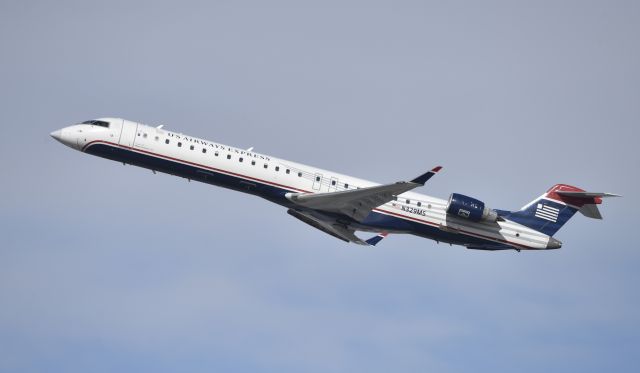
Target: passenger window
<point>179,144</point>
<point>204,150</point>
<point>287,171</point>
<point>228,156</point>
<point>299,174</point>
<point>144,135</point>
<point>317,178</point>
<point>408,202</point>
<point>240,159</point>
<point>419,204</point>
<point>277,168</point>
<point>157,138</point>
<point>191,147</point>
<point>166,141</point>
<point>253,163</point>
<point>346,186</point>
<point>265,165</point>
<point>333,182</point>
<point>216,154</point>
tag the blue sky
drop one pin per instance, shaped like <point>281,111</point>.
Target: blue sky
<point>106,268</point>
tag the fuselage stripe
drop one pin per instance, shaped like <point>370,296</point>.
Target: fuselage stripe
<point>426,222</point>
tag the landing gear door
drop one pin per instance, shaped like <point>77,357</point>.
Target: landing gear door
<point>128,134</point>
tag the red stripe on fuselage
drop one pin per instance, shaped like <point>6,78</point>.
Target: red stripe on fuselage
<point>426,222</point>
<point>193,164</point>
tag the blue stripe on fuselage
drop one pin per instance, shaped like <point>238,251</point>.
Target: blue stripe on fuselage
<point>375,220</point>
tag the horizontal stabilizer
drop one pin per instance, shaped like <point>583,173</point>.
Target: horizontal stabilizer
<point>576,197</point>
<point>586,202</point>
<point>586,194</point>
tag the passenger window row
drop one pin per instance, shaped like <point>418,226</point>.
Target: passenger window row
<point>408,202</point>
<point>241,160</point>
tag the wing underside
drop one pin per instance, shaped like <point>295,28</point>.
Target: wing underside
<point>328,225</point>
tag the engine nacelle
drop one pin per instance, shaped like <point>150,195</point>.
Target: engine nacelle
<point>469,208</point>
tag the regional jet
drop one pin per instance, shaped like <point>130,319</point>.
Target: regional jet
<point>336,204</point>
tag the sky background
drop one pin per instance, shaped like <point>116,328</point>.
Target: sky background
<point>108,268</point>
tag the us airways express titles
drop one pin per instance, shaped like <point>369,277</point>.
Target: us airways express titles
<point>334,203</point>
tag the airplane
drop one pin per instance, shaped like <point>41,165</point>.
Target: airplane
<point>337,204</point>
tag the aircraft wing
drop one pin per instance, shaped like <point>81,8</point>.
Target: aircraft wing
<point>358,203</point>
<point>332,227</point>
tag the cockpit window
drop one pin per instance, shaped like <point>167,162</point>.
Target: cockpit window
<point>97,123</point>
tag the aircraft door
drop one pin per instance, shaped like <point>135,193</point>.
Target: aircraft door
<point>317,181</point>
<point>115,129</point>
<point>128,133</point>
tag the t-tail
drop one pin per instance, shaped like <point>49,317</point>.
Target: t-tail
<point>549,212</point>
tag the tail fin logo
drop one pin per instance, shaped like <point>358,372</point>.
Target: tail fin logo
<point>547,212</point>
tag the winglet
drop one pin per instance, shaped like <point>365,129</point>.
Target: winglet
<point>422,179</point>
<point>375,239</point>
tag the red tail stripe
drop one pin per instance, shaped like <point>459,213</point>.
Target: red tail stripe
<point>574,201</point>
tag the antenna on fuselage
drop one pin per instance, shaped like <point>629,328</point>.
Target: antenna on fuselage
<point>250,148</point>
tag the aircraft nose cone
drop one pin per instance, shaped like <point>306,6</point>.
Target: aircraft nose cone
<point>65,137</point>
<point>57,135</point>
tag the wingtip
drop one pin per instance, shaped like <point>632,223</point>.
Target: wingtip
<point>422,179</point>
<point>376,239</point>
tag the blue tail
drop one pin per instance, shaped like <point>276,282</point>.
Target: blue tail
<point>549,212</point>
<point>543,215</point>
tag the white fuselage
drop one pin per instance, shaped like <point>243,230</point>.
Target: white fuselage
<point>264,175</point>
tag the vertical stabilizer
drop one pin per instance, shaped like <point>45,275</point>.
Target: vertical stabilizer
<point>549,212</point>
